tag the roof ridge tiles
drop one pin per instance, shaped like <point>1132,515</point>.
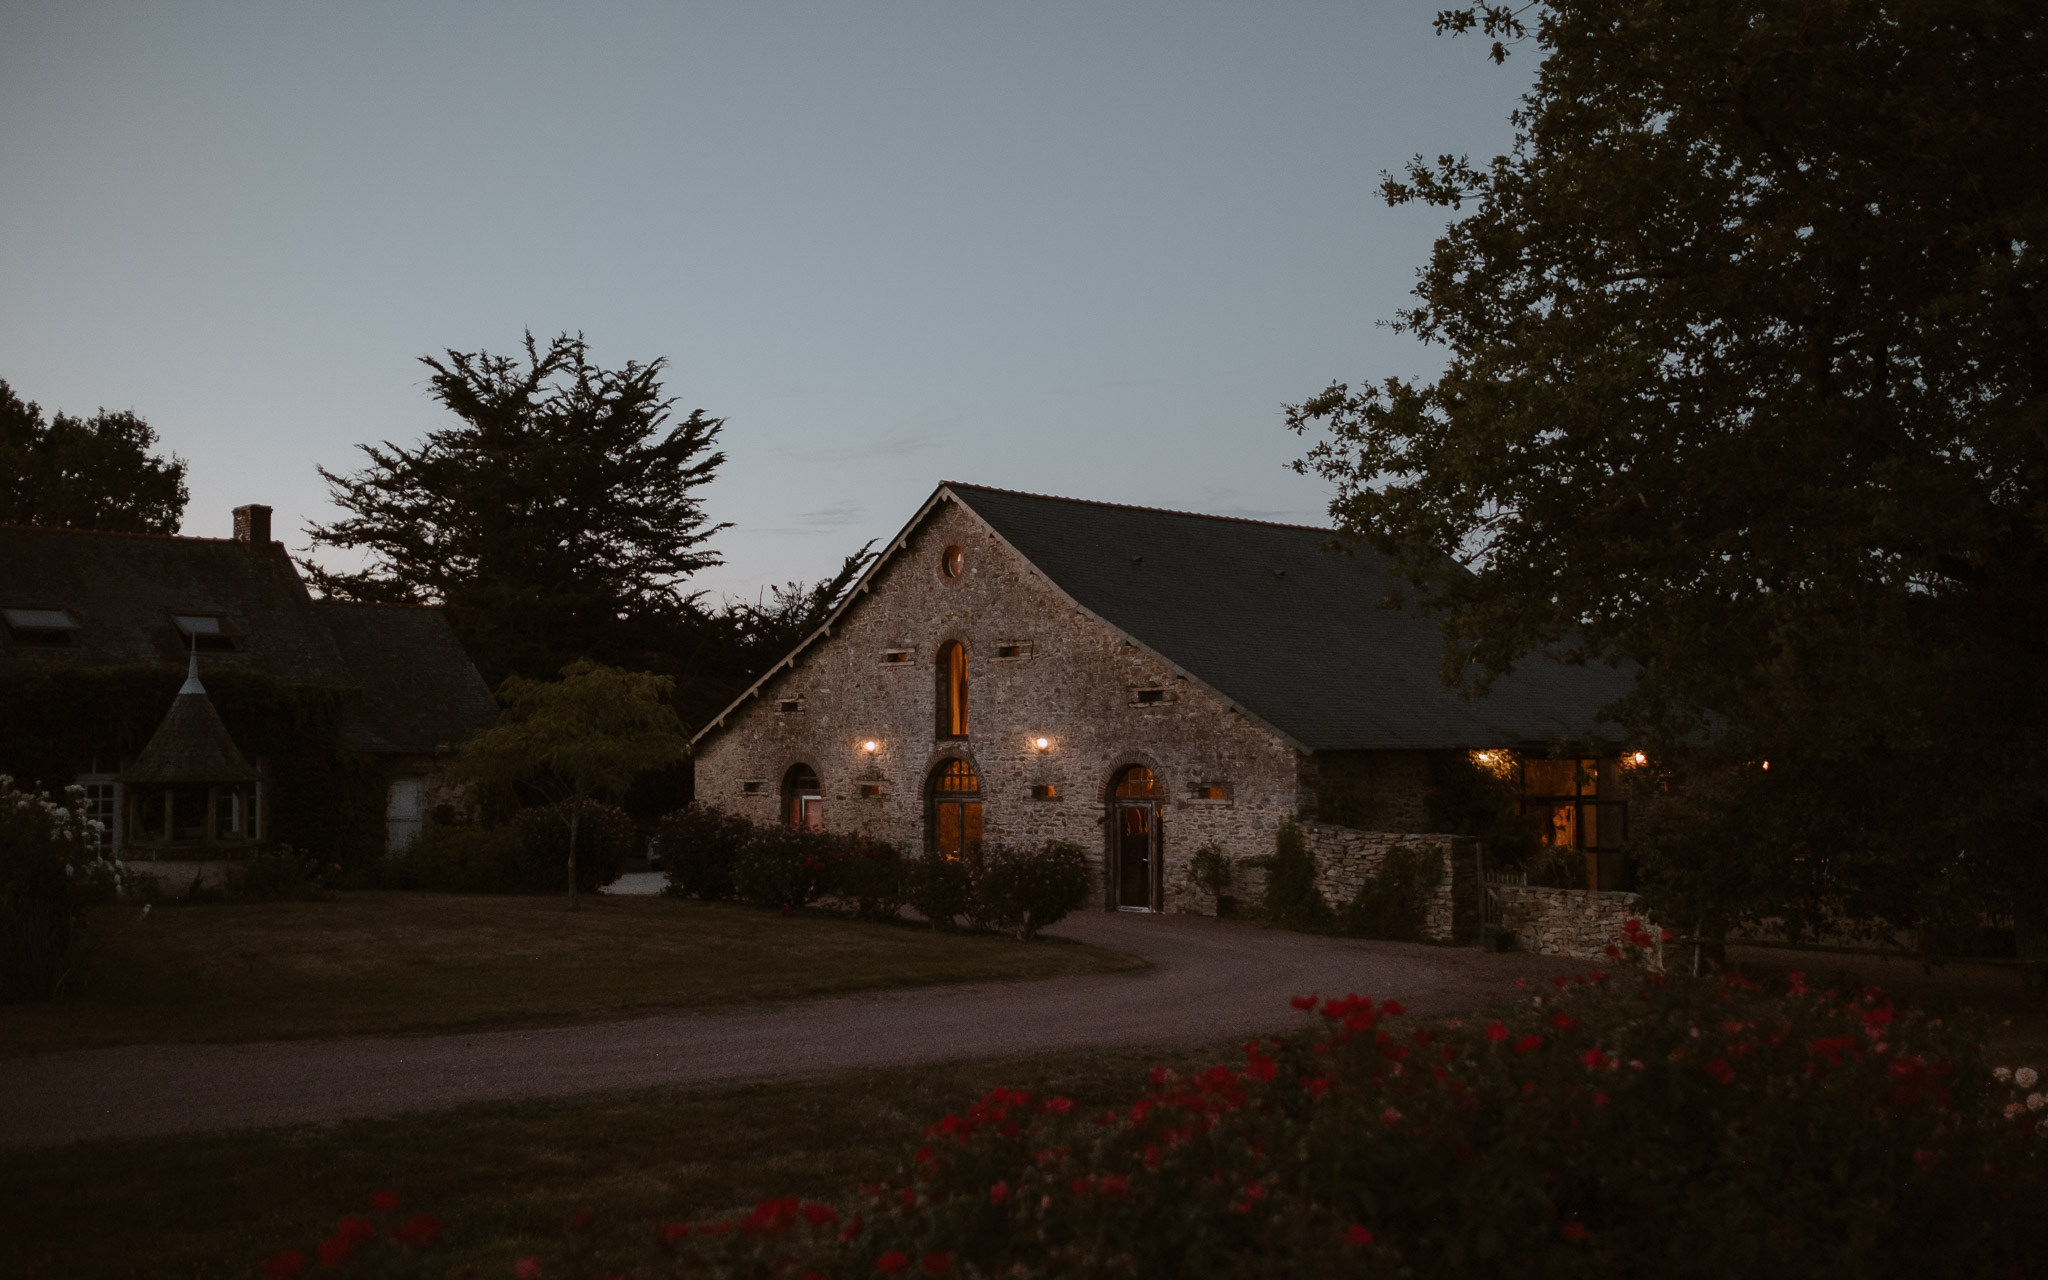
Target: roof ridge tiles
<point>111,533</point>
<point>1132,506</point>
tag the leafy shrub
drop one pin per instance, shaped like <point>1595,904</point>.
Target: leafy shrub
<point>876,875</point>
<point>941,888</point>
<point>700,846</point>
<point>604,840</point>
<point>1629,1126</point>
<point>1212,873</point>
<point>463,857</point>
<point>42,849</point>
<point>1556,867</point>
<point>1292,898</point>
<point>1028,889</point>
<point>781,866</point>
<point>1393,902</point>
<point>283,872</point>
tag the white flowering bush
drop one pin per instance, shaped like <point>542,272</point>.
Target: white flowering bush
<point>48,871</point>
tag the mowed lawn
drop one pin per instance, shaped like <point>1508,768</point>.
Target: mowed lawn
<point>379,963</point>
<point>504,1175</point>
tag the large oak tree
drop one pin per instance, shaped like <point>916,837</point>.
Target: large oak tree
<point>1747,345</point>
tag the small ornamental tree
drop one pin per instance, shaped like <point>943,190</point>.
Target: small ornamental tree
<point>1027,889</point>
<point>590,733</point>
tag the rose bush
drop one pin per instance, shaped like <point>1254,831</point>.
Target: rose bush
<point>48,872</point>
<point>875,876</point>
<point>789,867</point>
<point>700,846</point>
<point>1024,890</point>
<point>1600,1125</point>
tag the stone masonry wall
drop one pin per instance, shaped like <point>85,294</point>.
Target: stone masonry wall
<point>1567,922</point>
<point>1346,857</point>
<point>1072,680</point>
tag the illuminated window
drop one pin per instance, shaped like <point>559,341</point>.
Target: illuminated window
<point>1564,795</point>
<point>952,699</point>
<point>871,790</point>
<point>955,817</point>
<point>1209,791</point>
<point>803,800</point>
<point>1138,783</point>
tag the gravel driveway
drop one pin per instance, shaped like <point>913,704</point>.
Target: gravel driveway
<point>1208,981</point>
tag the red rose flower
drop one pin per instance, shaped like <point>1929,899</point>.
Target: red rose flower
<point>999,1193</point>
<point>355,1229</point>
<point>1304,1003</point>
<point>820,1215</point>
<point>1358,1235</point>
<point>384,1201</point>
<point>283,1266</point>
<point>527,1269</point>
<point>419,1231</point>
<point>1498,1031</point>
<point>673,1232</point>
<point>893,1262</point>
<point>1720,1070</point>
<point>1529,1043</point>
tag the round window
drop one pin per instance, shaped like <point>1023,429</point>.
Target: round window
<point>952,562</point>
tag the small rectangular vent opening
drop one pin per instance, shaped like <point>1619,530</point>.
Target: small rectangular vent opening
<point>1013,649</point>
<point>870,790</point>
<point>788,705</point>
<point>1045,791</point>
<point>1209,791</point>
<point>1150,697</point>
<point>753,788</point>
<point>891,657</point>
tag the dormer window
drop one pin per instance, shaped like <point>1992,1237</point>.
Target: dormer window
<point>208,632</point>
<point>40,626</point>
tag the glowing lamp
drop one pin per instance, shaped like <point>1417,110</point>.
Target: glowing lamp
<point>1041,743</point>
<point>870,746</point>
<point>1639,758</point>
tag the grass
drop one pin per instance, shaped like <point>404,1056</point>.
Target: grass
<point>505,1176</point>
<point>381,963</point>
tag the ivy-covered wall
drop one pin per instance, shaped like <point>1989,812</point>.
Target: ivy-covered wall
<point>325,797</point>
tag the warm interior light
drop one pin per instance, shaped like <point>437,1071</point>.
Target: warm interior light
<point>870,745</point>
<point>1484,757</point>
<point>1767,764</point>
<point>1041,743</point>
<point>1639,758</point>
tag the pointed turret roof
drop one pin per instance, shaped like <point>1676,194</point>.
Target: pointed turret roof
<point>191,745</point>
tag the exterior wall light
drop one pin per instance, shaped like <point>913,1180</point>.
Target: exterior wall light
<point>1041,744</point>
<point>1639,758</point>
<point>871,746</point>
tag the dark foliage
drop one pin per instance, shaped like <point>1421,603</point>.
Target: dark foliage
<point>40,915</point>
<point>788,867</point>
<point>1393,902</point>
<point>605,838</point>
<point>1292,898</point>
<point>941,889</point>
<point>699,845</point>
<point>91,473</point>
<point>876,876</point>
<point>1747,345</point>
<point>326,799</point>
<point>1025,890</point>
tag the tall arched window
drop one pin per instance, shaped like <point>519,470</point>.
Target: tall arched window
<point>955,819</point>
<point>952,703</point>
<point>803,800</point>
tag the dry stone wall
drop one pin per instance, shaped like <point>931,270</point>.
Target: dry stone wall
<point>1568,922</point>
<point>1038,667</point>
<point>1346,858</point>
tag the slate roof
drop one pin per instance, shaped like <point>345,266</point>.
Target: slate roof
<point>420,689</point>
<point>1285,630</point>
<point>191,745</point>
<point>1291,632</point>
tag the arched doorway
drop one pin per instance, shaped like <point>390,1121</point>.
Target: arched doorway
<point>803,800</point>
<point>1134,834</point>
<point>953,824</point>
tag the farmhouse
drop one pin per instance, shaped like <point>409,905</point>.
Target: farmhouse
<point>298,719</point>
<point>1018,668</point>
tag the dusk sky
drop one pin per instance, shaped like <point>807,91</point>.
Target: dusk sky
<point>1081,249</point>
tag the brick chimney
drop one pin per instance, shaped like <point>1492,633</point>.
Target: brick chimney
<point>252,527</point>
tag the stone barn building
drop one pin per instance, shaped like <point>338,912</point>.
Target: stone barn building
<point>1017,668</point>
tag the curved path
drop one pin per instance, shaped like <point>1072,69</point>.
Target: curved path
<point>1208,981</point>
